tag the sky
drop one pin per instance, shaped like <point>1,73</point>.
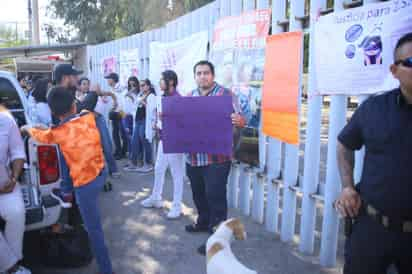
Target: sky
<point>16,10</point>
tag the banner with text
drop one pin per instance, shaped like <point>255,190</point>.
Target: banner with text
<point>180,56</point>
<point>363,40</point>
<point>238,52</point>
<point>109,65</point>
<point>128,64</point>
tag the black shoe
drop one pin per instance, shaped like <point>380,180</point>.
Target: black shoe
<point>194,228</point>
<point>202,250</point>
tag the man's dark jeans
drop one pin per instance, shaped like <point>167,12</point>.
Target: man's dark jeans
<point>209,192</point>
<point>371,248</point>
<point>119,132</point>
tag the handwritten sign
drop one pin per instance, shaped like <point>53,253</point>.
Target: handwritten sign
<point>197,124</point>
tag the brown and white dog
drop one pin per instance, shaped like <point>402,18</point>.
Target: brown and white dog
<point>220,259</point>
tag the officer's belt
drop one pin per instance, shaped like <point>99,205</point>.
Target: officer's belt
<point>392,224</point>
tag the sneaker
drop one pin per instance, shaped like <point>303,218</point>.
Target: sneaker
<point>65,199</point>
<point>174,212</point>
<point>132,168</point>
<point>22,270</point>
<point>202,250</point>
<point>145,168</point>
<point>195,228</point>
<point>152,203</point>
<point>116,175</point>
<point>118,157</point>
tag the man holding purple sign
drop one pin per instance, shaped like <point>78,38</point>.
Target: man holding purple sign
<point>208,172</point>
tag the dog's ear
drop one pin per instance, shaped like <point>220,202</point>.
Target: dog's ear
<point>213,250</point>
<point>238,229</point>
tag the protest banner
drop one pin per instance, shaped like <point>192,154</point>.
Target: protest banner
<point>180,56</point>
<point>191,124</point>
<point>281,86</point>
<point>238,53</point>
<point>109,65</point>
<point>363,41</point>
<point>128,64</point>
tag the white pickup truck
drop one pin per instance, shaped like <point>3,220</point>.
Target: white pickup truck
<point>42,169</point>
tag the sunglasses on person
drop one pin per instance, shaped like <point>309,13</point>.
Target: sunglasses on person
<point>406,62</point>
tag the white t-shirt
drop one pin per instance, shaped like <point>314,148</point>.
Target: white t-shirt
<point>11,145</point>
<point>42,115</point>
<point>158,111</point>
<point>150,116</point>
<point>104,105</point>
<point>130,104</point>
<point>120,95</point>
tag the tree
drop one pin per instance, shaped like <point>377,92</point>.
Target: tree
<point>9,37</point>
<point>100,20</point>
<point>103,20</point>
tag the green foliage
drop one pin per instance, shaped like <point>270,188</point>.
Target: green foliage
<point>103,20</point>
<point>9,38</point>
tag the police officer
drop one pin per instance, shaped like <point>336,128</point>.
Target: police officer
<point>381,204</point>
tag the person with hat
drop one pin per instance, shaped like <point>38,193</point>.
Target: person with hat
<point>119,132</point>
<point>66,75</point>
<point>378,210</point>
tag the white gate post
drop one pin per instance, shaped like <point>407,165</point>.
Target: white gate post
<point>274,155</point>
<point>330,226</point>
<point>297,9</point>
<point>312,146</point>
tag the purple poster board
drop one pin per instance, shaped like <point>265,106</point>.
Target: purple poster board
<point>197,124</point>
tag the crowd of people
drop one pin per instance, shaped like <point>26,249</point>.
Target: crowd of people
<point>59,114</point>
<point>74,112</point>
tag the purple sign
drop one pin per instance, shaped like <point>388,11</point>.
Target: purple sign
<point>197,124</point>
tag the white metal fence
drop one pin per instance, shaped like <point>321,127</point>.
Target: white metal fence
<point>270,196</point>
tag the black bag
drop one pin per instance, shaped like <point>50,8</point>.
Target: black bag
<point>62,250</point>
<point>246,145</point>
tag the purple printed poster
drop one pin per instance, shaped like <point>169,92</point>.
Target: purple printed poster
<point>197,124</point>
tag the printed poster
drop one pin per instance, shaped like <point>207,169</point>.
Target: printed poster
<point>363,41</point>
<point>129,65</point>
<point>109,65</point>
<point>180,56</point>
<point>238,52</point>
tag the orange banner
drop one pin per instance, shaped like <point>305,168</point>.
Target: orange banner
<point>281,86</point>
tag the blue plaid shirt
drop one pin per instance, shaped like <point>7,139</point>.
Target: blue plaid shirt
<point>205,159</point>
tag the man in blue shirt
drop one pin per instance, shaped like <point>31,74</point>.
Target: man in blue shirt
<point>381,204</point>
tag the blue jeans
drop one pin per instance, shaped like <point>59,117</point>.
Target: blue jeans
<point>87,200</point>
<point>209,192</point>
<point>140,145</point>
<point>127,123</point>
<point>119,135</point>
<point>106,144</point>
<point>66,184</point>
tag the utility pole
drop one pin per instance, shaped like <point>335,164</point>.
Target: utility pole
<point>30,22</point>
<point>36,27</point>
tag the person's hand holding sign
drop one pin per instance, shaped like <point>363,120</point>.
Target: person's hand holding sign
<point>238,120</point>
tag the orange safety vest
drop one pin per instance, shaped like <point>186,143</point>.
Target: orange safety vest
<point>79,141</point>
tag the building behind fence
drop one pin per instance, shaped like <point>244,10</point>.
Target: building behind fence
<point>286,194</point>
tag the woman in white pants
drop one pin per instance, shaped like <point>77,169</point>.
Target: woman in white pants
<point>12,209</point>
<point>168,83</point>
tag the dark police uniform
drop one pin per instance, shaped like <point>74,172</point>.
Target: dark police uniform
<point>382,233</point>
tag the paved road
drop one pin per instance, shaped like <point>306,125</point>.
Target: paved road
<point>143,241</point>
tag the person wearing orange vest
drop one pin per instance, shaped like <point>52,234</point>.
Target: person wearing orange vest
<point>79,140</point>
